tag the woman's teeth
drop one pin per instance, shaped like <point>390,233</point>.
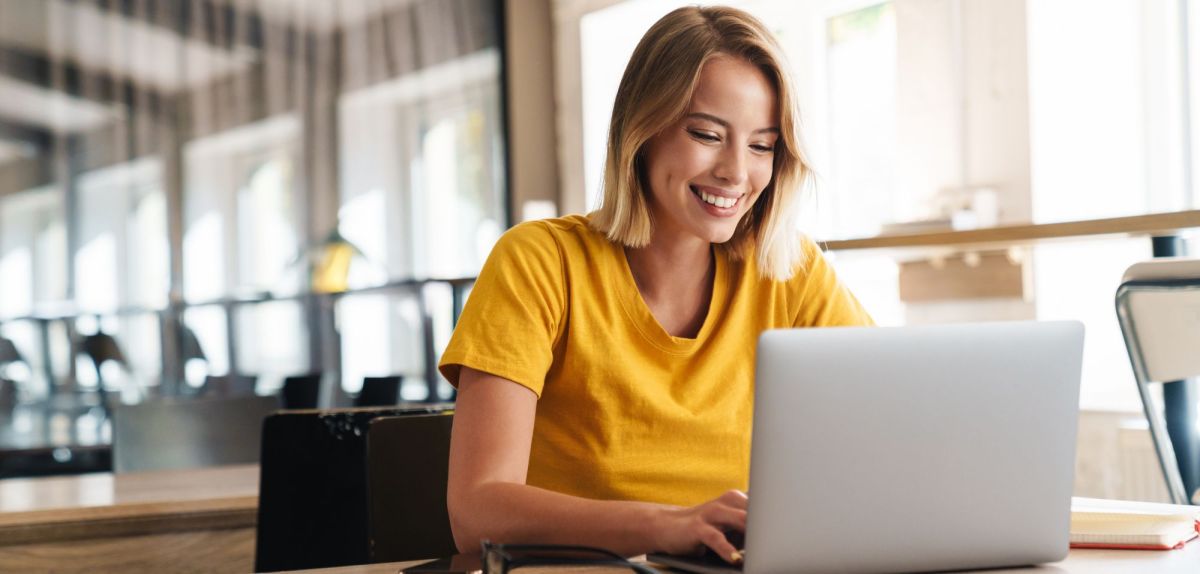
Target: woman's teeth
<point>717,201</point>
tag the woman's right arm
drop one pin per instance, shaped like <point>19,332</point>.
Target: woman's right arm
<point>488,499</point>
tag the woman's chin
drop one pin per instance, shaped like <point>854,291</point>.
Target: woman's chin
<point>719,235</point>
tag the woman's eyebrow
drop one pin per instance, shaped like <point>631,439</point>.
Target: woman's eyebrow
<point>725,124</point>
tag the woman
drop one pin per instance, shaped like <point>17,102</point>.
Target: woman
<point>605,363</point>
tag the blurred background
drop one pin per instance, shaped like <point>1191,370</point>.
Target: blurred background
<point>206,198</point>
<point>209,197</point>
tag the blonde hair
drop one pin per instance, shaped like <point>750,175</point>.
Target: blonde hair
<point>655,92</point>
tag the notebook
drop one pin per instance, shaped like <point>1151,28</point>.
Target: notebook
<point>1097,523</point>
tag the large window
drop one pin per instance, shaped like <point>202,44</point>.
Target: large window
<point>861,54</point>
<point>243,216</point>
<point>242,212</point>
<point>33,251</point>
<point>422,198</point>
<point>123,257</point>
<point>207,196</point>
<point>33,260</point>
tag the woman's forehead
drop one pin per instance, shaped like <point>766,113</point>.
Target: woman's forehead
<point>737,92</point>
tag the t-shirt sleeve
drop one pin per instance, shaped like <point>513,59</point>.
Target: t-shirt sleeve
<point>824,300</point>
<point>515,312</point>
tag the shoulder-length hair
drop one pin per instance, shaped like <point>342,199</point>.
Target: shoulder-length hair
<point>655,92</point>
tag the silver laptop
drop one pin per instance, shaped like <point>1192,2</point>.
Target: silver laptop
<point>913,449</point>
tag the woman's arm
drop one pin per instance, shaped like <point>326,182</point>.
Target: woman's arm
<point>488,498</point>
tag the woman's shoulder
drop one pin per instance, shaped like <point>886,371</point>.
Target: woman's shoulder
<point>567,234</point>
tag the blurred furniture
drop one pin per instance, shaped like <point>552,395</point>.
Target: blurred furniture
<point>230,385</point>
<point>169,521</point>
<point>1158,307</point>
<point>379,391</point>
<point>8,387</point>
<point>101,348</point>
<point>54,460</point>
<point>313,501</point>
<point>301,391</point>
<point>9,353</point>
<point>189,345</point>
<point>408,461</point>
<point>193,433</point>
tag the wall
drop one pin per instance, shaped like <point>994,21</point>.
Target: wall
<point>532,140</point>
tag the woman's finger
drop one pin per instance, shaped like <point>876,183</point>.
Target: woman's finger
<point>735,498</point>
<point>726,517</point>
<point>715,539</point>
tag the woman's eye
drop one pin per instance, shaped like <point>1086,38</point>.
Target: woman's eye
<point>704,136</point>
<point>762,148</point>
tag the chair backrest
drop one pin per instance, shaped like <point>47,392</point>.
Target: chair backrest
<point>9,352</point>
<point>301,391</point>
<point>379,391</point>
<point>312,498</point>
<point>230,385</point>
<point>164,434</point>
<point>101,347</point>
<point>1159,305</point>
<point>1158,308</point>
<point>408,461</point>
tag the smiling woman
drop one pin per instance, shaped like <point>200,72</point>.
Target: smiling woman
<point>605,362</point>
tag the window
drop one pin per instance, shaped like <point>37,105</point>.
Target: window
<point>242,230</point>
<point>861,79</point>
<point>424,199</point>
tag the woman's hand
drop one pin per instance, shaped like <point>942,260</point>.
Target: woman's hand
<point>689,530</point>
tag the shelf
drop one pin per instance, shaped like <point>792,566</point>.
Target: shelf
<point>1152,224</point>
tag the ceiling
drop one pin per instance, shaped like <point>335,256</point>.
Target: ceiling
<point>69,66</point>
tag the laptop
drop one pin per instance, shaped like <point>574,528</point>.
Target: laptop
<point>911,449</point>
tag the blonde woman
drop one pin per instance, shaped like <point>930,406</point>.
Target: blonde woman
<point>605,362</point>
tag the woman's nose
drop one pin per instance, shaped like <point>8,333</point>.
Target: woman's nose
<point>731,166</point>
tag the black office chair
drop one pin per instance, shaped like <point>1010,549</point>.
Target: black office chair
<point>192,433</point>
<point>301,391</point>
<point>408,465</point>
<point>379,391</point>
<point>312,497</point>
<point>101,348</point>
<point>8,387</point>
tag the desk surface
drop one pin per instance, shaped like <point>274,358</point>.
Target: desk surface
<point>73,507</point>
<point>68,508</point>
<point>1186,561</point>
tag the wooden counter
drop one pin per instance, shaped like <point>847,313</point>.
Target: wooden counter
<point>1152,224</point>
<point>198,520</point>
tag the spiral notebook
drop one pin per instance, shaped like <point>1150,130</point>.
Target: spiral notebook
<point>1097,523</point>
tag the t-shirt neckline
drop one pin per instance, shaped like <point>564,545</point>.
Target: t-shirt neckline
<point>639,314</point>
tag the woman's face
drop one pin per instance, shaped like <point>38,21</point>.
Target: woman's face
<point>706,171</point>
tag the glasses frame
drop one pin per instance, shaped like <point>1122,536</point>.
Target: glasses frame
<point>498,558</point>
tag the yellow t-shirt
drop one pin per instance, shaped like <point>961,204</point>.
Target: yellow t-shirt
<point>625,410</point>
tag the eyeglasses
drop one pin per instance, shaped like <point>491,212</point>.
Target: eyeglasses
<point>502,558</point>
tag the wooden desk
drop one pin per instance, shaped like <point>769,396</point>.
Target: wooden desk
<point>1186,561</point>
<point>179,520</point>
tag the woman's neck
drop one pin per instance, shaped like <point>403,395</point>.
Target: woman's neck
<point>675,279</point>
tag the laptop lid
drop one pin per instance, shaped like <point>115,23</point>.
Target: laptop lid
<point>913,448</point>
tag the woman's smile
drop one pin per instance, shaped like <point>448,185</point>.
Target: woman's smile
<point>719,203</point>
